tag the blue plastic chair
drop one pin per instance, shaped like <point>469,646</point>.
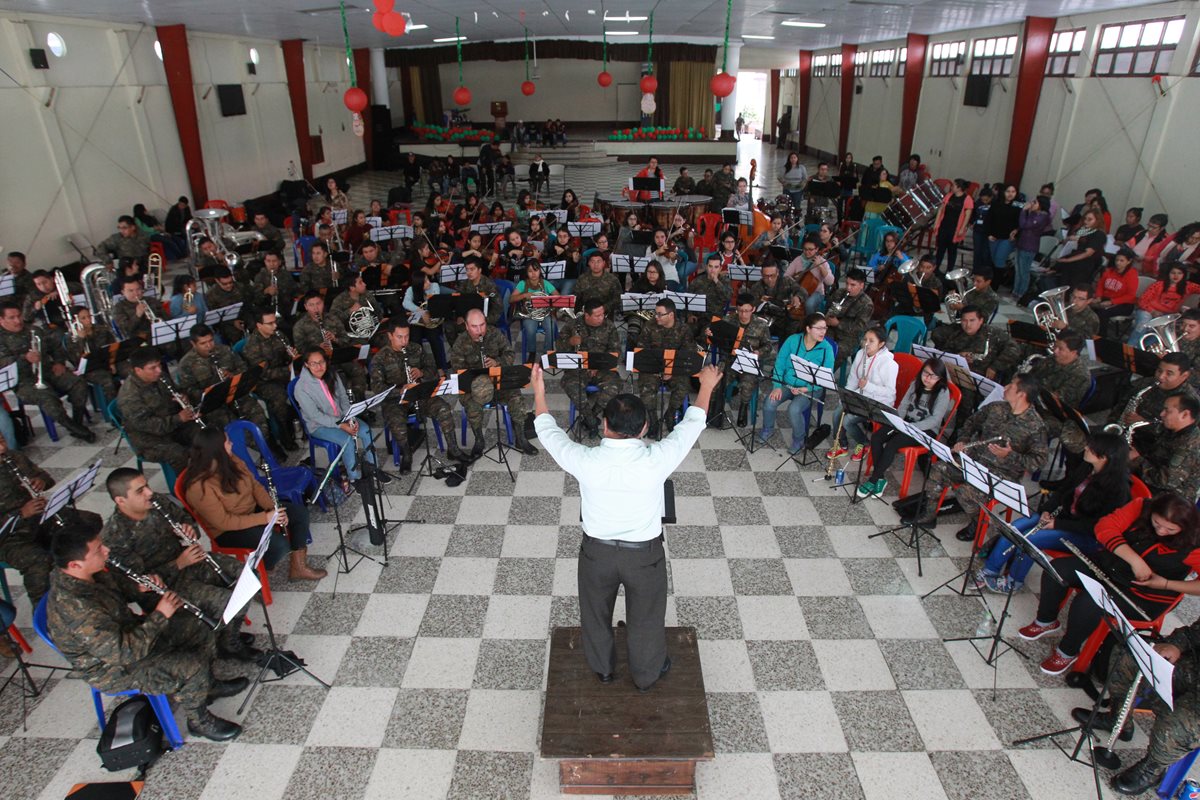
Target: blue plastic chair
<point>159,702</point>
<point>302,250</point>
<point>504,289</point>
<point>291,483</point>
<point>114,415</point>
<point>546,326</point>
<point>908,330</point>
<point>239,345</point>
<point>488,407</point>
<point>393,446</point>
<point>331,449</point>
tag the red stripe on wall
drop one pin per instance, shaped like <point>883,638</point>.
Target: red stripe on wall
<point>177,62</point>
<point>771,123</point>
<point>1035,50</point>
<point>293,65</point>
<point>914,74</point>
<point>804,76</point>
<point>848,53</point>
<point>362,76</point>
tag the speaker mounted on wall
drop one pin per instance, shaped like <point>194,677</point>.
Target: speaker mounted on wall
<point>37,56</point>
<point>251,68</point>
<point>978,91</point>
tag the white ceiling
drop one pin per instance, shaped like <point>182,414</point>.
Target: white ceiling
<point>850,21</point>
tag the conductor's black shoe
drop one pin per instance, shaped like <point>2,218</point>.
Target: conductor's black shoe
<point>213,727</point>
<point>666,667</point>
<point>1103,721</point>
<point>229,688</point>
<point>965,533</point>
<point>604,677</point>
<point>1143,775</point>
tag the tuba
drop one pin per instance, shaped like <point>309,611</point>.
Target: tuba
<point>97,294</point>
<point>959,295</point>
<point>1160,337</point>
<point>1051,307</point>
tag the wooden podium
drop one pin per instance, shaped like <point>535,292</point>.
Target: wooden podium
<point>611,739</point>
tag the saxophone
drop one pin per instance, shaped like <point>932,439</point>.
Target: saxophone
<point>1123,426</point>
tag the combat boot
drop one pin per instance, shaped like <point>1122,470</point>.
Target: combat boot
<point>1143,775</point>
<point>205,723</point>
<point>477,448</point>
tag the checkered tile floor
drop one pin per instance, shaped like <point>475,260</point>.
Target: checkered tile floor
<point>827,675</point>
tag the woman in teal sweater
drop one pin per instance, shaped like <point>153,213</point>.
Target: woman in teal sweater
<point>787,388</point>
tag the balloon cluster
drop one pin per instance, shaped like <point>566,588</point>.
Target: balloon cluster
<point>688,134</point>
<point>387,20</point>
<point>457,133</point>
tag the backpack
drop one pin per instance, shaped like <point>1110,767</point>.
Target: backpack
<point>131,737</point>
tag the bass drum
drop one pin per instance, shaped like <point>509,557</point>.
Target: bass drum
<point>915,209</point>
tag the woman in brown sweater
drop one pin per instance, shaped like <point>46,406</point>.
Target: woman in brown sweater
<point>234,507</point>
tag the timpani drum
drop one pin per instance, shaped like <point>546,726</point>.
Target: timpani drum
<point>604,202</point>
<point>663,213</point>
<point>623,208</point>
<point>692,207</point>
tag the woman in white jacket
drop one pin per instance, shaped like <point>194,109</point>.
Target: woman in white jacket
<point>873,373</point>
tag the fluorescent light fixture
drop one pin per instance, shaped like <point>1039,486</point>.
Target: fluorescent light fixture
<point>795,23</point>
<point>622,33</point>
<point>417,27</point>
<point>627,18</point>
<point>755,36</point>
<point>445,39</point>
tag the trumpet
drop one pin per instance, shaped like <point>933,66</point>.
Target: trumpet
<point>187,541</point>
<point>35,344</point>
<point>142,580</point>
<point>183,402</point>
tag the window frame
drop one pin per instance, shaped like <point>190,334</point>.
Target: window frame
<point>1065,63</point>
<point>944,66</point>
<point>1113,54</point>
<point>997,64</point>
<point>902,62</point>
<point>881,62</point>
<point>820,66</point>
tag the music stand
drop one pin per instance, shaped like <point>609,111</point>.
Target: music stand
<point>971,384</point>
<point>370,489</point>
<point>344,567</point>
<point>736,216</point>
<point>415,394</point>
<point>387,233</point>
<point>687,303</point>
<point>166,331</point>
<point>633,302</point>
<point>583,230</point>
<point>223,314</point>
<point>817,376</point>
<point>510,378</point>
<point>748,273</point>
<point>554,270</point>
<point>452,273</point>
<point>620,263</point>
<point>870,409</point>
<point>650,185</point>
<point>69,491</point>
<point>274,658</point>
<point>747,362</point>
<point>8,377</point>
<point>665,364</point>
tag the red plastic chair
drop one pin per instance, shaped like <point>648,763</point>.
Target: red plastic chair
<point>239,553</point>
<point>910,454</point>
<point>973,189</point>
<point>1095,640</point>
<point>707,230</point>
<point>909,366</point>
<point>217,204</point>
<point>945,184</point>
<point>1137,489</point>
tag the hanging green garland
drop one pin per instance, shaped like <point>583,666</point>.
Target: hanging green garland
<point>722,84</point>
<point>355,98</point>
<point>649,83</point>
<point>462,95</point>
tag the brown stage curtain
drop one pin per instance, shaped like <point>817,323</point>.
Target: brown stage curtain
<point>549,48</point>
<point>691,102</point>
<point>418,97</point>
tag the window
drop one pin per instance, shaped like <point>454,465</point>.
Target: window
<point>881,63</point>
<point>835,65</point>
<point>860,63</point>
<point>993,56</point>
<point>56,45</point>
<point>902,63</point>
<point>1137,48</point>
<point>1065,47</point>
<point>791,73</point>
<point>820,66</point>
<point>947,59</point>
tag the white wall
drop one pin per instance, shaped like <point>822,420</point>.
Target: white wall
<point>328,79</point>
<point>824,109</point>
<point>567,91</point>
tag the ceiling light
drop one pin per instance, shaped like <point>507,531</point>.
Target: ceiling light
<point>592,12</point>
<point>450,39</point>
<point>755,36</point>
<point>626,18</point>
<point>622,33</point>
<point>416,27</point>
<point>795,23</point>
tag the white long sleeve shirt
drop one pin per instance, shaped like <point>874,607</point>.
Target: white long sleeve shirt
<point>621,480</point>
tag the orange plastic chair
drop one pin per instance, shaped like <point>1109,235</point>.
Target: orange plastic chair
<point>1095,640</point>
<point>217,204</point>
<point>910,454</point>
<point>239,553</point>
<point>707,230</point>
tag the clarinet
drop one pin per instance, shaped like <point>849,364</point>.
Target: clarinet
<point>27,485</point>
<point>188,541</point>
<point>142,580</point>
<point>266,470</point>
<point>183,402</point>
<point>1103,578</point>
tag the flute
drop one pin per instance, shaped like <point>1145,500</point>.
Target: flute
<point>188,541</point>
<point>1107,581</point>
<point>142,580</point>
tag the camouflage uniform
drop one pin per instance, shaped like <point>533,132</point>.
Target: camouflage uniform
<point>196,374</point>
<point>466,354</point>
<point>221,298</point>
<point>1025,433</point>
<point>1173,462</point>
<point>151,420</point>
<point>605,288</point>
<point>1192,350</point>
<point>1086,323</point>
<point>118,246</point>
<point>717,295</point>
<point>1069,383</point>
<point>782,325</point>
<point>274,239</point>
<point>852,322</point>
<point>272,355</point>
<point>314,277</point>
<point>340,309</point>
<point>723,185</point>
<point>755,337</point>
<point>486,287</point>
<point>124,316</point>
<point>23,285</point>
<point>307,334</point>
<point>655,337</point>
<point>1175,731</point>
<point>987,301</point>
<point>397,278</point>
<point>51,308</point>
<point>1003,354</point>
<point>98,372</point>
<point>602,338</point>
<point>286,284</point>
<point>388,368</point>
<point>26,548</point>
<point>1151,404</point>
<point>115,650</point>
<point>14,347</point>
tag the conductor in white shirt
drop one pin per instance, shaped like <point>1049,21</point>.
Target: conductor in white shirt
<point>621,493</point>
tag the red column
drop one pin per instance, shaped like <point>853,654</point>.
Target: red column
<point>774,106</point>
<point>362,76</point>
<point>848,53</point>
<point>293,65</point>
<point>1035,50</point>
<point>914,74</point>
<point>804,76</point>
<point>177,62</point>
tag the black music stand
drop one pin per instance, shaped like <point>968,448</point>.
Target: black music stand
<point>344,566</point>
<point>554,271</point>
<point>553,360</point>
<point>1124,357</point>
<point>687,303</point>
<point>747,273</point>
<point>166,331</point>
<point>450,274</point>
<point>665,364</point>
<point>510,378</point>
<point>747,362</point>
<point>620,263</point>
<point>583,230</point>
<point>415,395</point>
<point>820,377</point>
<point>869,409</point>
<point>651,185</point>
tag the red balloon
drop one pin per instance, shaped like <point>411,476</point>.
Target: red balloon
<point>722,84</point>
<point>648,84</point>
<point>377,21</point>
<point>394,23</point>
<point>462,96</point>
<point>528,88</point>
<point>355,99</point>
<point>604,79</point>
<point>384,6</point>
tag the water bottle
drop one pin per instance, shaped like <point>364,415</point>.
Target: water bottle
<point>985,624</point>
<point>839,477</point>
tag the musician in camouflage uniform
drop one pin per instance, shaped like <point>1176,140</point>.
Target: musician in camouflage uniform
<point>128,242</point>
<point>141,537</point>
<point>94,342</point>
<point>381,274</point>
<point>130,313</point>
<point>356,298</point>
<point>269,350</point>
<point>1022,448</point>
<point>714,285</point>
<point>264,290</point>
<point>1169,458</point>
<point>307,334</point>
<point>1080,316</point>
<point>168,651</point>
<point>224,294</point>
<point>599,284</point>
<point>972,338</point>
<point>668,333</point>
<point>1189,344</point>
<point>484,348</point>
<point>198,370</point>
<point>981,295</point>
<point>590,333</point>
<point>478,283</point>
<point>397,364</point>
<point>753,334</point>
<point>159,429</point>
<point>784,300</point>
<point>848,315</point>
<point>1065,374</point>
<point>41,307</point>
<point>16,345</point>
<point>1171,378</point>
<point>318,274</point>
<point>22,277</point>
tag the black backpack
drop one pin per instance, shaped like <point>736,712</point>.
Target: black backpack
<point>131,737</point>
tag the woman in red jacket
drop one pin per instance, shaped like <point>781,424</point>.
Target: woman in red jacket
<point>953,219</point>
<point>1142,539</point>
<point>1116,290</point>
<point>1164,296</point>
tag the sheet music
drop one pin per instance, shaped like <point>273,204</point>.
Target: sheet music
<point>578,230</point>
<point>563,361</point>
<point>222,314</point>
<point>974,473</point>
<point>452,273</point>
<point>637,301</point>
<point>746,362</point>
<point>8,377</point>
<point>1012,495</point>
<point>626,263</point>
<point>1161,672</point>
<point>386,233</point>
<point>8,284</point>
<point>554,270</point>
<point>687,302</point>
<point>243,592</point>
<point>992,392</point>
<point>168,330</point>
<point>923,352</point>
<point>375,222</point>
<point>447,386</point>
<point>340,216</point>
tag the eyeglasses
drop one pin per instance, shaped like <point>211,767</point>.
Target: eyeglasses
<point>315,363</point>
<point>663,313</point>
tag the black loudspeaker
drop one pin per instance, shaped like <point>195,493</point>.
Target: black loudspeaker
<point>382,143</point>
<point>231,99</point>
<point>979,91</point>
<point>251,68</point>
<point>38,56</point>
